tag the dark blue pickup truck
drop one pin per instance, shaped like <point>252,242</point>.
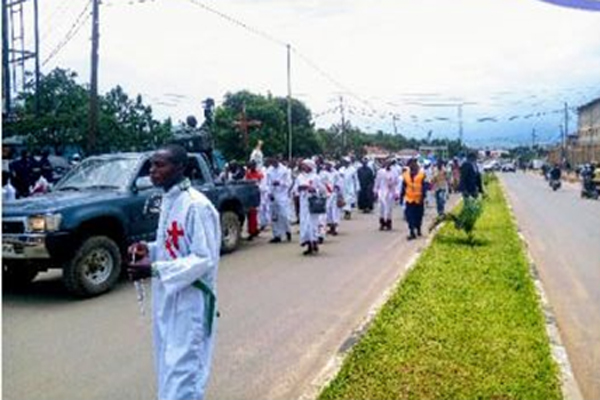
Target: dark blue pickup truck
<point>96,211</point>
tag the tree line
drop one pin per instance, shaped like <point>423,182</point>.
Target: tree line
<point>126,123</point>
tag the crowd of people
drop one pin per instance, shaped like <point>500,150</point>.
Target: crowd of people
<point>319,193</point>
<point>30,175</point>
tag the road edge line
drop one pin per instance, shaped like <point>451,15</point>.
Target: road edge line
<point>568,384</point>
<point>334,365</point>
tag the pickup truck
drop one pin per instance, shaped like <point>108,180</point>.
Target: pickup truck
<point>85,224</point>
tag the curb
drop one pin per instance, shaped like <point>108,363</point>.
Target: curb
<point>334,365</point>
<point>569,386</point>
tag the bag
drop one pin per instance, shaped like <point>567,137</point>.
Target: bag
<point>340,201</point>
<point>317,204</point>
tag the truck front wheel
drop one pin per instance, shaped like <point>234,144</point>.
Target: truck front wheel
<point>94,269</point>
<point>231,231</point>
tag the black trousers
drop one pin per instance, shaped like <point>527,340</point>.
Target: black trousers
<point>414,215</point>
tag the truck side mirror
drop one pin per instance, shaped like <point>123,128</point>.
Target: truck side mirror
<point>152,205</point>
<point>142,183</point>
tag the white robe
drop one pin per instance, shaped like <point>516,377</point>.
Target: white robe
<point>264,210</point>
<point>333,182</point>
<point>351,186</point>
<point>309,223</point>
<point>185,252</point>
<point>386,189</point>
<point>281,199</point>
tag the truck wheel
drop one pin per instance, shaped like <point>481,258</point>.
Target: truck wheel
<point>17,276</point>
<point>231,231</point>
<point>95,267</point>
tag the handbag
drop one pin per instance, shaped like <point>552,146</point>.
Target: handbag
<point>340,201</point>
<point>317,204</point>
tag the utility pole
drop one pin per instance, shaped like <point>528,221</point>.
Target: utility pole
<point>93,131</point>
<point>565,132</point>
<point>37,58</point>
<point>5,69</point>
<point>343,124</point>
<point>289,101</point>
<point>533,136</point>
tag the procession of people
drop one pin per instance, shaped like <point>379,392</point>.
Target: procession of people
<point>317,193</point>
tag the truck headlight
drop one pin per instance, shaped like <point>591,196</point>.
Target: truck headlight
<point>44,223</point>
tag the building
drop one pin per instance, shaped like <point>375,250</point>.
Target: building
<point>588,127</point>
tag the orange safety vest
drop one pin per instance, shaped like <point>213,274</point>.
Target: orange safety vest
<point>414,188</point>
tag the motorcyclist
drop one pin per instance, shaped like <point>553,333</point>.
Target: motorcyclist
<point>555,173</point>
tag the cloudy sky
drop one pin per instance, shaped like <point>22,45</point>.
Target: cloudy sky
<point>511,63</point>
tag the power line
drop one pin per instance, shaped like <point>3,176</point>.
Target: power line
<point>239,23</point>
<point>82,18</point>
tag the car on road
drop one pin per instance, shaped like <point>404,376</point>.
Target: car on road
<point>509,167</point>
<point>96,211</point>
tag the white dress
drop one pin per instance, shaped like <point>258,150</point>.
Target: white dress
<point>185,258</point>
<point>281,199</point>
<point>309,223</point>
<point>386,188</point>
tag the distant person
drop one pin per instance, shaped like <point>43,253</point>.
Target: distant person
<point>555,173</point>
<point>253,174</point>
<point>183,264</point>
<point>470,178</point>
<point>440,186</point>
<point>386,190</point>
<point>279,183</point>
<point>46,166</point>
<point>413,197</point>
<point>236,172</point>
<point>41,185</point>
<point>9,193</point>
<point>366,180</point>
<point>257,155</point>
<point>21,170</point>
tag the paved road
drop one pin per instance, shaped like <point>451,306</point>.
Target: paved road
<point>283,317</point>
<point>563,232</point>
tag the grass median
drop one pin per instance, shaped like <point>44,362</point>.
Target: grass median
<point>464,324</point>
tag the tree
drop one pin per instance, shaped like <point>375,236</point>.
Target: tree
<point>125,124</point>
<point>273,131</point>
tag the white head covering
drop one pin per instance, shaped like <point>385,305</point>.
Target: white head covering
<point>310,163</point>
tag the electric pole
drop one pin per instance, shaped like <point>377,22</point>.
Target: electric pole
<point>5,70</point>
<point>343,124</point>
<point>289,101</point>
<point>93,132</point>
<point>565,132</point>
<point>37,58</point>
<point>533,136</point>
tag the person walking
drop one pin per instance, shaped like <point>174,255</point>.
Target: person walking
<point>253,174</point>
<point>183,264</point>
<point>366,180</point>
<point>279,181</point>
<point>307,185</point>
<point>440,185</point>
<point>257,155</point>
<point>470,184</point>
<point>413,197</point>
<point>386,192</point>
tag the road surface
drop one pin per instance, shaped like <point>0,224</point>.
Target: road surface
<point>563,232</point>
<point>283,316</point>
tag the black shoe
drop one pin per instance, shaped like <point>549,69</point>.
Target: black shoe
<point>315,247</point>
<point>381,224</point>
<point>321,240</point>
<point>309,250</point>
<point>275,240</point>
<point>419,232</point>
<point>411,237</point>
<point>288,236</point>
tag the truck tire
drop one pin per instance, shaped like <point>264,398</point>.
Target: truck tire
<point>231,231</point>
<point>94,269</point>
<point>15,276</point>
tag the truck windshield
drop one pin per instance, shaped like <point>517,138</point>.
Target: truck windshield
<point>99,173</point>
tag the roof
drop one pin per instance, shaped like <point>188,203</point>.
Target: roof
<point>590,104</point>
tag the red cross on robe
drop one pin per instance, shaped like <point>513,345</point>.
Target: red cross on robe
<point>172,241</point>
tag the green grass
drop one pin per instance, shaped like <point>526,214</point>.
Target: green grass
<point>464,324</point>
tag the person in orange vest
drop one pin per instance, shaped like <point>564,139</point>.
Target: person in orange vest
<point>253,174</point>
<point>413,196</point>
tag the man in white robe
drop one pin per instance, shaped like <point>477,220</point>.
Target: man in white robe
<point>351,187</point>
<point>308,184</point>
<point>279,181</point>
<point>183,263</point>
<point>386,190</point>
<point>332,181</point>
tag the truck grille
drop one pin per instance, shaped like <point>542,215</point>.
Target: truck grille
<point>13,227</point>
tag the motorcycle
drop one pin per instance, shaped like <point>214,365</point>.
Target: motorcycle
<point>555,184</point>
<point>590,189</point>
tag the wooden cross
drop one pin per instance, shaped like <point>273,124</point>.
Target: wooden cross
<point>243,124</point>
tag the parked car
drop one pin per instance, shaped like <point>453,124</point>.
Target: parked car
<point>509,167</point>
<point>96,211</point>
